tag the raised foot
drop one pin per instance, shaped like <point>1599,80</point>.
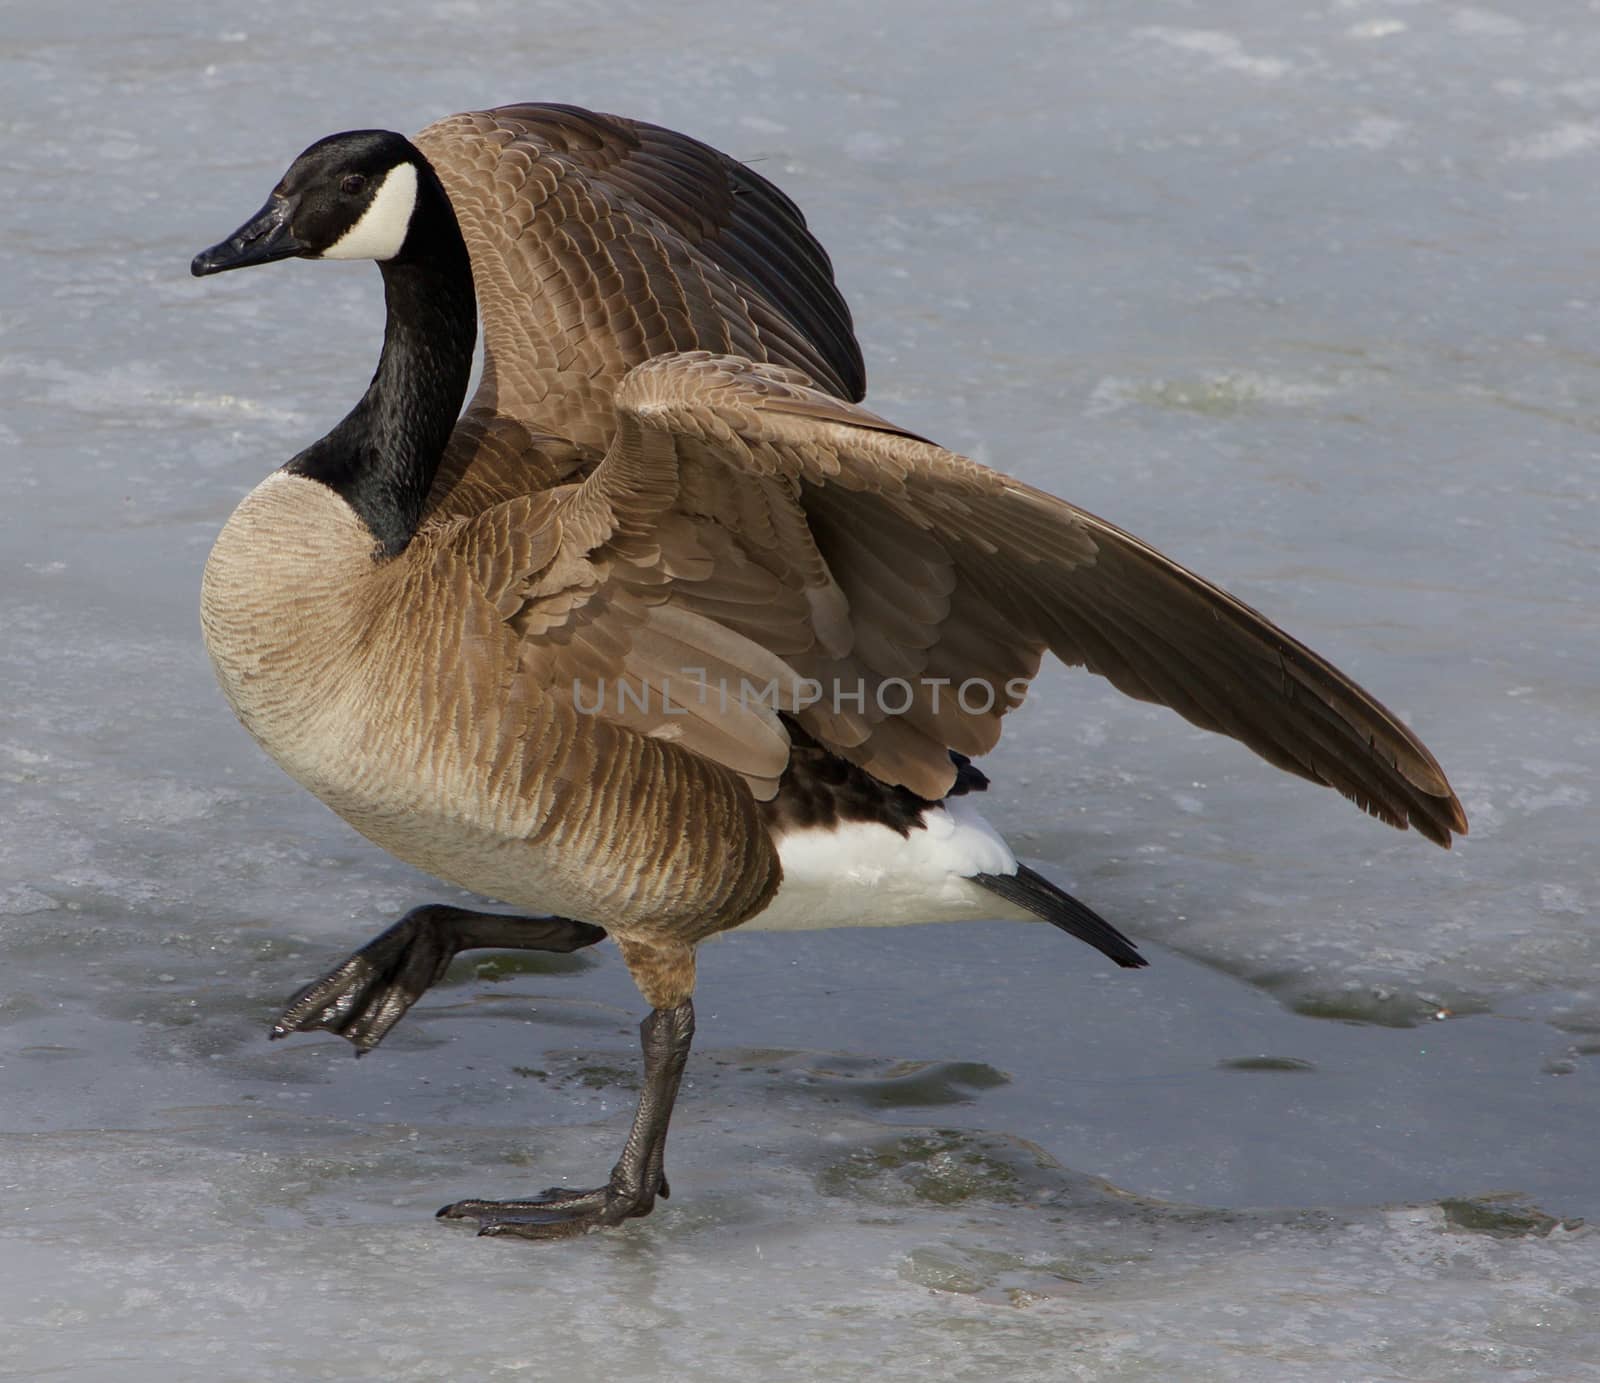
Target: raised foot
<point>557,1213</point>
<point>363,998</point>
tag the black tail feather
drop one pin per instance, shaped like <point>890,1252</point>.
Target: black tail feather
<point>1043,899</point>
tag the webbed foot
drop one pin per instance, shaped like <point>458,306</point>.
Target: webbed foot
<point>558,1213</point>
<point>365,996</point>
<point>638,1178</point>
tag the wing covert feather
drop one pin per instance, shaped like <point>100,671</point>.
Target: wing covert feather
<point>940,570</point>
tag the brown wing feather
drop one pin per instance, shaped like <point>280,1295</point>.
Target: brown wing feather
<point>939,568</point>
<point>598,242</point>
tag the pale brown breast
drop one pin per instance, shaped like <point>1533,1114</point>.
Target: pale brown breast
<point>394,693</point>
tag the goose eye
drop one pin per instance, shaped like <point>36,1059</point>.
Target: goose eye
<point>352,183</point>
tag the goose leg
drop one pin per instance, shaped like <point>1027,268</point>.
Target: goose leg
<point>365,996</point>
<point>638,1177</point>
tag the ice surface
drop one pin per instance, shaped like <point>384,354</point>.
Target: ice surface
<point>1303,294</point>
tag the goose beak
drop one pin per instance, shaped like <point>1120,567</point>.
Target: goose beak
<point>263,238</point>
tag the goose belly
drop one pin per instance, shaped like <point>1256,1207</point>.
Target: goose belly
<point>392,693</point>
<point>865,874</point>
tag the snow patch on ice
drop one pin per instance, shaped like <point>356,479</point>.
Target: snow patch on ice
<point>1373,132</point>
<point>872,146</point>
<point>18,900</point>
<point>1486,24</point>
<point>1563,141</point>
<point>1562,898</point>
<point>1216,394</point>
<point>1376,28</point>
<point>1584,92</point>
<point>124,389</point>
<point>167,803</point>
<point>1226,51</point>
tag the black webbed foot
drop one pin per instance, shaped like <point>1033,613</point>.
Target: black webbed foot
<point>363,998</point>
<point>637,1180</point>
<point>559,1213</point>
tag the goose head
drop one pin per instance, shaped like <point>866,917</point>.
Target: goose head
<point>349,196</point>
<point>370,194</point>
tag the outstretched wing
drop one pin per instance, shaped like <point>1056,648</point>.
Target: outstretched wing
<point>598,242</point>
<point>748,525</point>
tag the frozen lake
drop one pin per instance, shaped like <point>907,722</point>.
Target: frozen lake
<point>1304,295</point>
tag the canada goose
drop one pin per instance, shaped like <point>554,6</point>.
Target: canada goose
<point>502,646</point>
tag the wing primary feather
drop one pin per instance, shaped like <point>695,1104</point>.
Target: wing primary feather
<point>1055,575</point>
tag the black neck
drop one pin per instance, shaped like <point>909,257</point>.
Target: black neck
<point>382,458</point>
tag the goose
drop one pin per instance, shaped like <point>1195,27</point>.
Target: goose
<point>665,633</point>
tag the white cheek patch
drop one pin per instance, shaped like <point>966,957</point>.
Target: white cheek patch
<point>381,231</point>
